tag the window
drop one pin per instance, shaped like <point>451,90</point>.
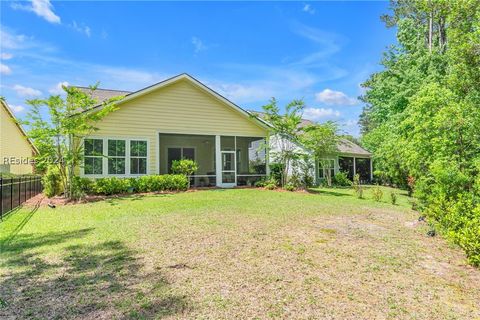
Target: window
<point>116,156</point>
<point>326,166</point>
<point>93,162</point>
<point>138,157</point>
<point>179,154</point>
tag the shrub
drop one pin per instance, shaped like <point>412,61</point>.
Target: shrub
<point>166,182</point>
<point>81,187</point>
<point>290,187</point>
<point>113,185</point>
<point>357,187</point>
<point>271,186</point>
<point>341,179</point>
<point>377,194</point>
<point>52,182</point>
<point>276,170</point>
<point>460,219</point>
<point>260,183</point>
<point>393,197</point>
<point>185,166</point>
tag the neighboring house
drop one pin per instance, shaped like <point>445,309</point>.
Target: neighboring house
<point>174,119</point>
<point>350,158</point>
<point>16,150</point>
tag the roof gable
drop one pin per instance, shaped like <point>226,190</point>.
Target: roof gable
<point>105,94</point>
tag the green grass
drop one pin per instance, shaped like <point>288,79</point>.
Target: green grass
<point>240,253</point>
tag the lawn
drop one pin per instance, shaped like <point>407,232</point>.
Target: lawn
<point>225,254</point>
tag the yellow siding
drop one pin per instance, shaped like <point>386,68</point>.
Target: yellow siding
<point>180,107</point>
<point>13,143</point>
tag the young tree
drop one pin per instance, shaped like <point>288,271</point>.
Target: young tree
<point>322,139</point>
<point>284,133</point>
<point>57,126</point>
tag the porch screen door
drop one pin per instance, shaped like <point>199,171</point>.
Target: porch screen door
<point>229,164</point>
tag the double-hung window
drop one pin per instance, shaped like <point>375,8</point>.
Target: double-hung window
<point>138,157</point>
<point>116,156</point>
<point>93,156</point>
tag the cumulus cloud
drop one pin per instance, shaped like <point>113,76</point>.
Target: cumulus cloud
<point>17,108</point>
<point>58,89</point>
<point>26,91</point>
<point>42,8</point>
<point>4,69</point>
<point>320,113</point>
<point>308,9</point>
<point>337,98</point>
<point>198,45</point>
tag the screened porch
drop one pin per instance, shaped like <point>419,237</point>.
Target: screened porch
<point>242,160</point>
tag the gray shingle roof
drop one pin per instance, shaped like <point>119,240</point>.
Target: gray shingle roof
<point>102,94</point>
<point>348,147</point>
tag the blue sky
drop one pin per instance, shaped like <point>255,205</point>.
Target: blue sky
<point>247,51</point>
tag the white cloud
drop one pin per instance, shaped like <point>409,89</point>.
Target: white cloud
<point>42,8</point>
<point>308,8</point>
<point>328,44</point>
<point>198,45</point>
<point>6,56</point>
<point>4,69</point>
<point>26,91</point>
<point>58,89</point>
<point>10,40</point>
<point>337,98</point>
<point>82,28</point>
<point>320,113</point>
<point>17,108</point>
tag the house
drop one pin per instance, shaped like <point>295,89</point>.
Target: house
<point>16,150</point>
<point>174,119</point>
<point>183,118</point>
<point>350,158</point>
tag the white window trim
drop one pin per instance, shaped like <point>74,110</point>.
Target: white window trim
<point>105,157</point>
<point>137,157</point>
<point>95,157</point>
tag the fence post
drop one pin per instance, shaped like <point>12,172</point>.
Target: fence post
<point>11,194</point>
<point>19,191</point>
<point>1,198</point>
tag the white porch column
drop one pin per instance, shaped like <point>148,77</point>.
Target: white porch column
<point>371,170</point>
<point>354,167</point>
<point>218,161</point>
<point>267,155</point>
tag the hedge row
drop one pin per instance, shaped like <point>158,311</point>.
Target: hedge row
<point>114,185</point>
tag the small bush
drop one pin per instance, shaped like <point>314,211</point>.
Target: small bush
<point>377,194</point>
<point>52,182</point>
<point>113,185</point>
<point>357,187</point>
<point>290,187</point>
<point>260,183</point>
<point>186,167</point>
<point>276,170</point>
<point>271,186</point>
<point>81,187</point>
<point>393,197</point>
<point>341,180</point>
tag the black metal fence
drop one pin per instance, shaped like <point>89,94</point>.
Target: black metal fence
<point>15,191</point>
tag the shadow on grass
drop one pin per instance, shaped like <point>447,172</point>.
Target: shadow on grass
<point>84,280</point>
<point>329,192</point>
